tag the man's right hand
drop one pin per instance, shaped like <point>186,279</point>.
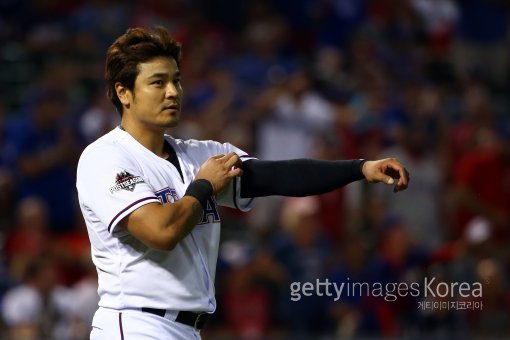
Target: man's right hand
<point>220,170</point>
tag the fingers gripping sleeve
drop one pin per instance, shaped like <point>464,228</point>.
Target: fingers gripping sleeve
<point>231,196</point>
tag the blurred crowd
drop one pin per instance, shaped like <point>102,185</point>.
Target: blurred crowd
<point>425,81</point>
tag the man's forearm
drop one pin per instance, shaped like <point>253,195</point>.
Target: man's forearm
<point>298,177</point>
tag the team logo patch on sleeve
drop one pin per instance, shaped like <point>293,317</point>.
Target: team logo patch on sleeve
<point>125,181</point>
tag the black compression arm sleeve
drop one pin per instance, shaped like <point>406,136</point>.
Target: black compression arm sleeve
<point>298,177</point>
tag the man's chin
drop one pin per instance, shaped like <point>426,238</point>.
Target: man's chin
<point>172,123</point>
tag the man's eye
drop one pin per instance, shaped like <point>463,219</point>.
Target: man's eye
<point>158,82</point>
<point>177,81</point>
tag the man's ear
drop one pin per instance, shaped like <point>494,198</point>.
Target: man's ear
<point>123,93</point>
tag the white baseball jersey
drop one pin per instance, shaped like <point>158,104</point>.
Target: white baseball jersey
<point>115,176</point>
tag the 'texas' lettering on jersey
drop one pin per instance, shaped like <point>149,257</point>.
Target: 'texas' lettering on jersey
<point>125,181</point>
<point>210,215</point>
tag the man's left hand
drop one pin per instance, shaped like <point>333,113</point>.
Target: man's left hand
<point>389,171</point>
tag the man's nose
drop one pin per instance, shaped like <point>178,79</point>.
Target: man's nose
<point>172,90</point>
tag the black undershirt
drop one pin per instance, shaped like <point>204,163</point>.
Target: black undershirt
<point>172,158</point>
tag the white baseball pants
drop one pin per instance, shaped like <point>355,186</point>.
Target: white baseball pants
<point>136,325</point>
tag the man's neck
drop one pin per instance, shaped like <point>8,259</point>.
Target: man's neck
<point>151,139</point>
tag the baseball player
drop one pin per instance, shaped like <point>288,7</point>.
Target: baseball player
<point>150,201</point>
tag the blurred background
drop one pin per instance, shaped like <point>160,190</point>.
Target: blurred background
<point>426,81</point>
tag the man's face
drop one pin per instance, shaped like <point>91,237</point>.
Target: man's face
<point>157,94</point>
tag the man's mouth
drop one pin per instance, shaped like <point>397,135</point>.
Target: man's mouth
<point>173,107</point>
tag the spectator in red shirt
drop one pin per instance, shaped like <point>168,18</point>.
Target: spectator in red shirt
<point>482,185</point>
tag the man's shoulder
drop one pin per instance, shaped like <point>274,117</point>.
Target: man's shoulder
<point>114,138</point>
<point>107,145</point>
<point>193,144</point>
<point>199,149</point>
